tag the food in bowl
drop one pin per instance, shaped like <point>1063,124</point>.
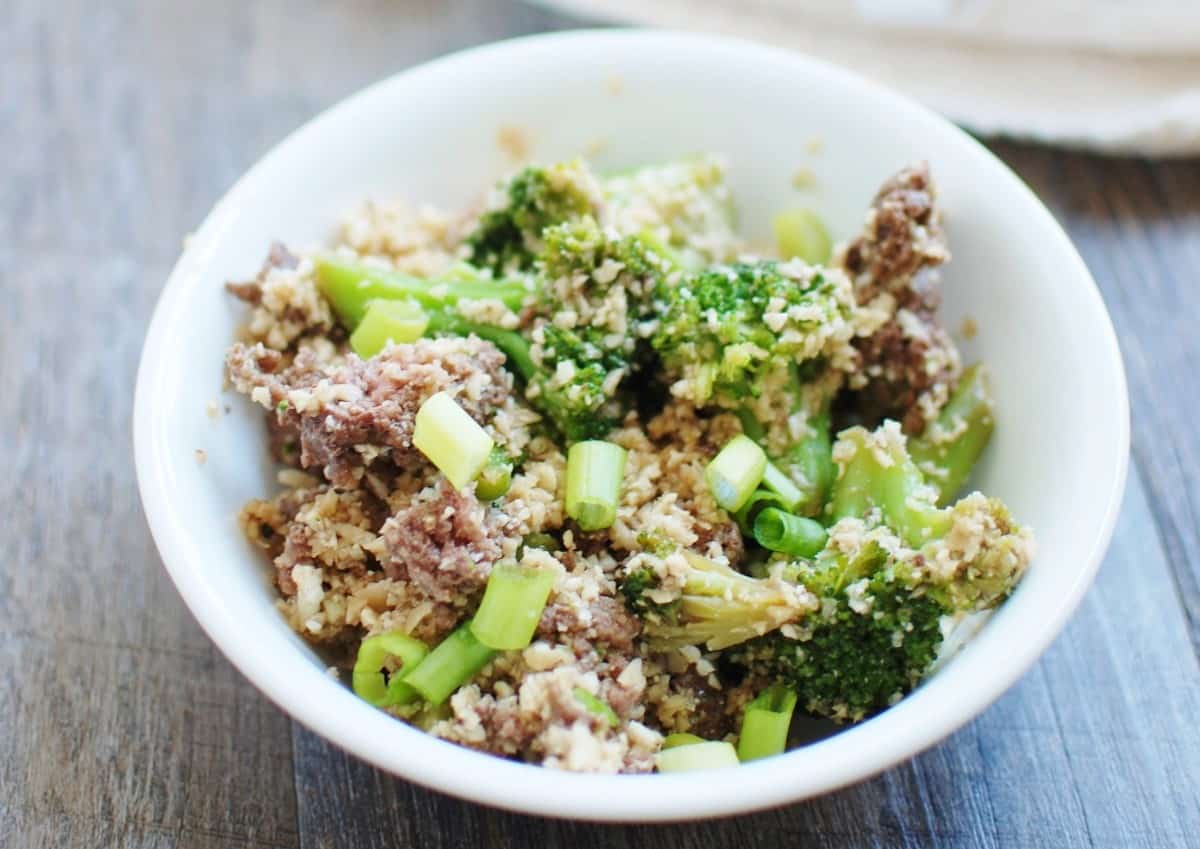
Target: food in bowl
<point>582,479</point>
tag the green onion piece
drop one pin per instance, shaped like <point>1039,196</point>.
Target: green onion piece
<point>709,754</point>
<point>387,322</point>
<point>451,439</point>
<point>379,653</point>
<point>544,541</point>
<point>765,724</point>
<point>759,500</point>
<point>594,472</point>
<point>349,287</point>
<point>454,662</point>
<point>735,472</point>
<point>597,706</point>
<point>512,605</point>
<point>949,448</point>
<point>680,738</point>
<point>778,482</point>
<point>776,530</point>
<point>496,477</point>
<point>800,232</point>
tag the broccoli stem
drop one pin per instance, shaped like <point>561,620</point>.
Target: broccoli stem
<point>811,461</point>
<point>877,473</point>
<point>948,448</point>
<point>351,286</point>
<point>513,344</point>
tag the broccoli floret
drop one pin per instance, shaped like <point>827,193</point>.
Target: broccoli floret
<point>873,639</point>
<point>728,334</point>
<point>859,625</point>
<point>685,599</point>
<point>508,235</point>
<point>593,295</point>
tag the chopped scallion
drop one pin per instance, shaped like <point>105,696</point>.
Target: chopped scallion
<point>758,501</point>
<point>778,482</point>
<point>680,738</point>
<point>765,724</point>
<point>708,754</point>
<point>594,472</point>
<point>776,530</point>
<point>454,662</point>
<point>735,472</point>
<point>386,322</point>
<point>394,654</point>
<point>451,439</point>
<point>541,540</point>
<point>496,476</point>
<point>597,706</point>
<point>512,605</point>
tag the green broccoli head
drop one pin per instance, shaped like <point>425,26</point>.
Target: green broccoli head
<point>685,599</point>
<point>576,382</point>
<point>594,294</point>
<point>508,235</point>
<point>594,278</point>
<point>979,560</point>
<point>970,555</point>
<point>873,639</point>
<point>726,333</point>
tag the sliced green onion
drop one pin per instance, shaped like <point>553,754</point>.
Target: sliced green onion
<point>778,482</point>
<point>451,439</point>
<point>387,322</point>
<point>709,754</point>
<point>800,232</point>
<point>597,706</point>
<point>776,530</point>
<point>758,501</point>
<point>765,724</point>
<point>594,472</point>
<point>379,653</point>
<point>544,541</point>
<point>496,477</point>
<point>735,472</point>
<point>512,605</point>
<point>680,738</point>
<point>454,662</point>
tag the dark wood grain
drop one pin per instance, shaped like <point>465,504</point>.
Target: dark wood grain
<point>120,124</point>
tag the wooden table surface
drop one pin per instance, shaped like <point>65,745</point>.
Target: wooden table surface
<point>121,122</point>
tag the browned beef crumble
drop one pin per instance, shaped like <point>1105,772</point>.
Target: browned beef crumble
<point>605,620</point>
<point>897,253</point>
<point>444,543</point>
<point>250,291</point>
<point>368,403</point>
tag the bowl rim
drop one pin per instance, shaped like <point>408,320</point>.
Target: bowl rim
<point>848,757</point>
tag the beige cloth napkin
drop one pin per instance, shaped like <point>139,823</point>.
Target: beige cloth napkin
<point>1112,75</point>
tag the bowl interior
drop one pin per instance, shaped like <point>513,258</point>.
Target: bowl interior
<point>430,135</point>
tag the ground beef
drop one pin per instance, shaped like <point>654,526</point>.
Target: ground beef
<point>709,719</point>
<point>908,364</point>
<point>727,535</point>
<point>283,440</point>
<point>250,291</point>
<point>444,543</point>
<point>330,537</point>
<point>350,414</point>
<point>603,621</point>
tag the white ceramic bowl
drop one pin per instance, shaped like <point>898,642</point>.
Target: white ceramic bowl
<point>1059,456</point>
